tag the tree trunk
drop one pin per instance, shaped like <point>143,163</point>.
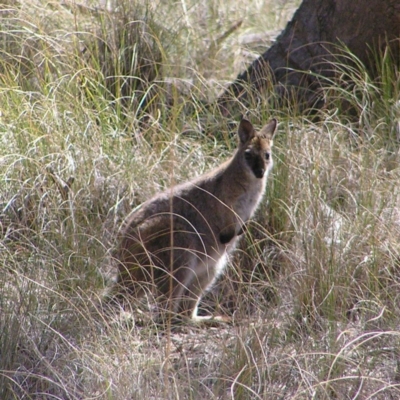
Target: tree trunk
<point>309,44</point>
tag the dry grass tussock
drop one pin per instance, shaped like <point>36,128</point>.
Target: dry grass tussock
<point>313,288</point>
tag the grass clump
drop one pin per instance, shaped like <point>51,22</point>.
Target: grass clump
<point>85,136</point>
<point>124,59</point>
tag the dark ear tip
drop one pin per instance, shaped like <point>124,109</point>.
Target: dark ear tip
<point>273,123</point>
<point>245,130</point>
<point>245,122</point>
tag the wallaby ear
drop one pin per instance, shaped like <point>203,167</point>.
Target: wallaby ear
<point>246,131</point>
<point>268,130</point>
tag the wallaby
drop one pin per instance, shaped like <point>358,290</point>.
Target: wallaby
<point>175,244</point>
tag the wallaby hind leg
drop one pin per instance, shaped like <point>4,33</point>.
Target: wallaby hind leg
<point>200,283</point>
<point>174,291</point>
<point>200,279</point>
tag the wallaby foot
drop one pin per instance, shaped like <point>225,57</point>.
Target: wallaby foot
<point>211,320</point>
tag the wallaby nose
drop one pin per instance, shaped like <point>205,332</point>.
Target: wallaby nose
<point>259,173</point>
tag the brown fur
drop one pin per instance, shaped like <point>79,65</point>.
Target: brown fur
<point>175,244</point>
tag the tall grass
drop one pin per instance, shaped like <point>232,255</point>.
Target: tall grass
<point>314,286</point>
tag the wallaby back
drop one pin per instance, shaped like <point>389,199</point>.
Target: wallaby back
<point>175,244</point>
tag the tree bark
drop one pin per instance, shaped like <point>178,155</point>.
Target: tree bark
<point>310,42</point>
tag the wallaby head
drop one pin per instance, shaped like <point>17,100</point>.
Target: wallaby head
<point>255,147</point>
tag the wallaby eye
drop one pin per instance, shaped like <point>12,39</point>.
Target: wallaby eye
<point>247,155</point>
<point>267,156</point>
